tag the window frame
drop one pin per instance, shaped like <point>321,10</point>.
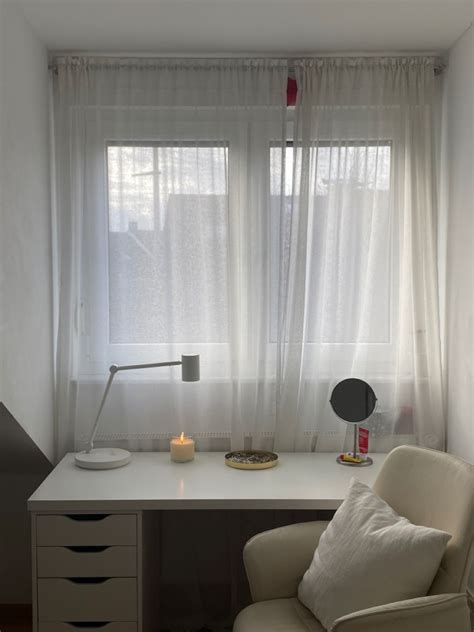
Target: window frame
<point>96,349</point>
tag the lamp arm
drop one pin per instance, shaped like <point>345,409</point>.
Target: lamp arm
<point>130,367</point>
<point>113,370</point>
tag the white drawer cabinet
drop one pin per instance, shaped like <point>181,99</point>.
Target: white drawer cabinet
<point>88,572</point>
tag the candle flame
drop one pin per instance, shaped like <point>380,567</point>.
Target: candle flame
<point>181,438</point>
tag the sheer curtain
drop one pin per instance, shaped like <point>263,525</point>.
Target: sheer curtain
<point>290,247</point>
<point>358,295</point>
<point>163,219</point>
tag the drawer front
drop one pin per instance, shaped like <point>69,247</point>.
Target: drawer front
<point>94,626</point>
<point>86,530</point>
<point>83,561</point>
<point>107,600</point>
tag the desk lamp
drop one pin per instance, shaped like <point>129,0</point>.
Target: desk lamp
<point>109,458</point>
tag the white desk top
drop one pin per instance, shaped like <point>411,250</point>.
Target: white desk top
<point>151,481</point>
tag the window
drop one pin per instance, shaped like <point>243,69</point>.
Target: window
<point>168,241</point>
<point>170,218</point>
<point>350,241</point>
<point>167,217</point>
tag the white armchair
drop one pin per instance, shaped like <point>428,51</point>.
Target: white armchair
<point>429,488</point>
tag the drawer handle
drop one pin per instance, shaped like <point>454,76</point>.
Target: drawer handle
<point>88,580</point>
<point>86,517</point>
<point>88,624</point>
<point>87,549</point>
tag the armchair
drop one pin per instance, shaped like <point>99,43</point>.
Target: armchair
<point>429,488</point>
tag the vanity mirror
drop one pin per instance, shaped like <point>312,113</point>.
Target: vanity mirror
<point>353,401</point>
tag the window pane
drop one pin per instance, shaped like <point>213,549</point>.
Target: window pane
<point>168,226</point>
<point>349,250</point>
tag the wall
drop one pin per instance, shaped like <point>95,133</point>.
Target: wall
<point>459,323</point>
<point>26,375</point>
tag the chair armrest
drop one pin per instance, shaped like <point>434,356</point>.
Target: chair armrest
<point>436,613</point>
<point>276,560</point>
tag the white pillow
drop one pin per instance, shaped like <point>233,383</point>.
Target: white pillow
<point>369,556</point>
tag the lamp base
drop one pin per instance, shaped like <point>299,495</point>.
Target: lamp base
<point>103,458</point>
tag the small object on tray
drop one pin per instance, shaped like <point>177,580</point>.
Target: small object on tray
<point>251,459</point>
<point>349,459</point>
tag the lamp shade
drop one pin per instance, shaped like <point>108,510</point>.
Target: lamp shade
<point>190,370</point>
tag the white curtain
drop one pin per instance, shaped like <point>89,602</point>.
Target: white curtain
<point>359,293</point>
<point>290,247</point>
<point>164,221</point>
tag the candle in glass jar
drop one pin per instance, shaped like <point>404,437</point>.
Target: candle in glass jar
<point>182,449</point>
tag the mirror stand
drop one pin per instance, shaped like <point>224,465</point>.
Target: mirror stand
<point>355,453</point>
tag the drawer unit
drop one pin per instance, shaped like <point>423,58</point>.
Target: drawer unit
<point>94,626</point>
<point>86,530</point>
<point>87,561</point>
<point>95,572</point>
<point>84,600</point>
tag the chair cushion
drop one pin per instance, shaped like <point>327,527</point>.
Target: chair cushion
<point>277,615</point>
<point>442,498</point>
<point>369,556</point>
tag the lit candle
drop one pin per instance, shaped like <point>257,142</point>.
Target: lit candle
<point>182,449</point>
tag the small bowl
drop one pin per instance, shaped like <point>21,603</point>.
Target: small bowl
<point>251,459</point>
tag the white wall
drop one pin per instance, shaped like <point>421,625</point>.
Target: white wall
<point>26,378</point>
<point>459,345</point>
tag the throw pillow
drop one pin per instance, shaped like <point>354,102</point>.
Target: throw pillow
<point>369,556</point>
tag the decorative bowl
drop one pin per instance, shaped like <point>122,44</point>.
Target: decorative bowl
<point>251,459</point>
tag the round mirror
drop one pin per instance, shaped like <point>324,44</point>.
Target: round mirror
<point>353,400</point>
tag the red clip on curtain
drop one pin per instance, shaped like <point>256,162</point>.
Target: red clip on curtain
<point>291,92</point>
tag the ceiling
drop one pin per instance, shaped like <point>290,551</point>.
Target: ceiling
<point>248,26</point>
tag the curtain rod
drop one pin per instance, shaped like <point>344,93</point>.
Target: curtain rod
<point>289,57</point>
<point>246,55</point>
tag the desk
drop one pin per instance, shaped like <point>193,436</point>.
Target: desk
<point>94,532</point>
